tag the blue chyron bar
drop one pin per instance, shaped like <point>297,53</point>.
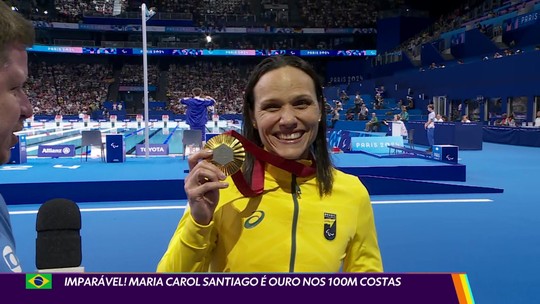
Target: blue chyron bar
<point>198,52</point>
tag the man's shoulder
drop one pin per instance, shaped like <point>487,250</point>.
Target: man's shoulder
<point>8,261</point>
<point>4,214</point>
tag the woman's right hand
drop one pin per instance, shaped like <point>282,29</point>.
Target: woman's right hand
<point>202,186</point>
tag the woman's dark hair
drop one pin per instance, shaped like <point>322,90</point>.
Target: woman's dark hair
<point>319,148</point>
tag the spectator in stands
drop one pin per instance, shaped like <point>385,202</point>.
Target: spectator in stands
<point>350,114</point>
<point>197,112</point>
<point>465,119</point>
<point>373,124</point>
<point>105,113</point>
<point>398,123</point>
<point>506,120</point>
<point>335,117</point>
<point>430,127</point>
<point>358,102</point>
<point>410,102</point>
<point>344,97</point>
<point>537,120</point>
<point>439,118</point>
<point>404,114</point>
<point>399,104</point>
<point>328,108</point>
<point>363,112</point>
<point>379,98</point>
<point>502,121</point>
<point>338,104</point>
<point>16,35</point>
<point>509,121</point>
<point>225,228</point>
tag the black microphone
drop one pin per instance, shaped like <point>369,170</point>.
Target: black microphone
<point>58,243</point>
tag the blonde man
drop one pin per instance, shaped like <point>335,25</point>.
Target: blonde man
<point>15,35</point>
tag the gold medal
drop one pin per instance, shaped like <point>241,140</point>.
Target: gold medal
<point>228,153</point>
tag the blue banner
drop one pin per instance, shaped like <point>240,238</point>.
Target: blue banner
<point>521,21</point>
<point>56,150</point>
<point>198,52</point>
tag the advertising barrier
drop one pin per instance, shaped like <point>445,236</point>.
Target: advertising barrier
<point>375,144</point>
<point>154,149</point>
<point>56,150</point>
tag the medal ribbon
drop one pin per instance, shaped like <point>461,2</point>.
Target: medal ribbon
<point>261,157</point>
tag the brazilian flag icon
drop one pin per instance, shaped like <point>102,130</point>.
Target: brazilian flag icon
<point>38,281</point>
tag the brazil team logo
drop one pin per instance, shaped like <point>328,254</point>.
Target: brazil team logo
<point>38,281</point>
<point>330,223</point>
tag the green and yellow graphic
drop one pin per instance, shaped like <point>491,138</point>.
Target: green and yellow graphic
<point>38,281</point>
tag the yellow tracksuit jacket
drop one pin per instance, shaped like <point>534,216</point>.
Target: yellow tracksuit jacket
<point>283,230</point>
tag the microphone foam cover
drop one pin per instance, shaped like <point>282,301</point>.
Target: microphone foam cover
<point>58,243</point>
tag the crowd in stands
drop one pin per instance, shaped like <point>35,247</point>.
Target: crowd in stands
<point>167,6</point>
<point>225,82</point>
<point>339,13</point>
<point>259,42</point>
<point>215,13</point>
<point>67,88</point>
<point>51,97</point>
<point>132,74</point>
<point>471,13</point>
<point>71,89</point>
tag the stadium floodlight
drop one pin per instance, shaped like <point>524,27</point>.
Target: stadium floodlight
<point>146,14</point>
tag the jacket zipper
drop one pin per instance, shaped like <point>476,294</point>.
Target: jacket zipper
<point>295,191</point>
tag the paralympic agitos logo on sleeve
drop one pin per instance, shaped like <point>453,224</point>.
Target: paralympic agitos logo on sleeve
<point>330,224</point>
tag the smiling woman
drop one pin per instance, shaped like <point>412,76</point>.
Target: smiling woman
<point>310,217</point>
<point>287,112</point>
